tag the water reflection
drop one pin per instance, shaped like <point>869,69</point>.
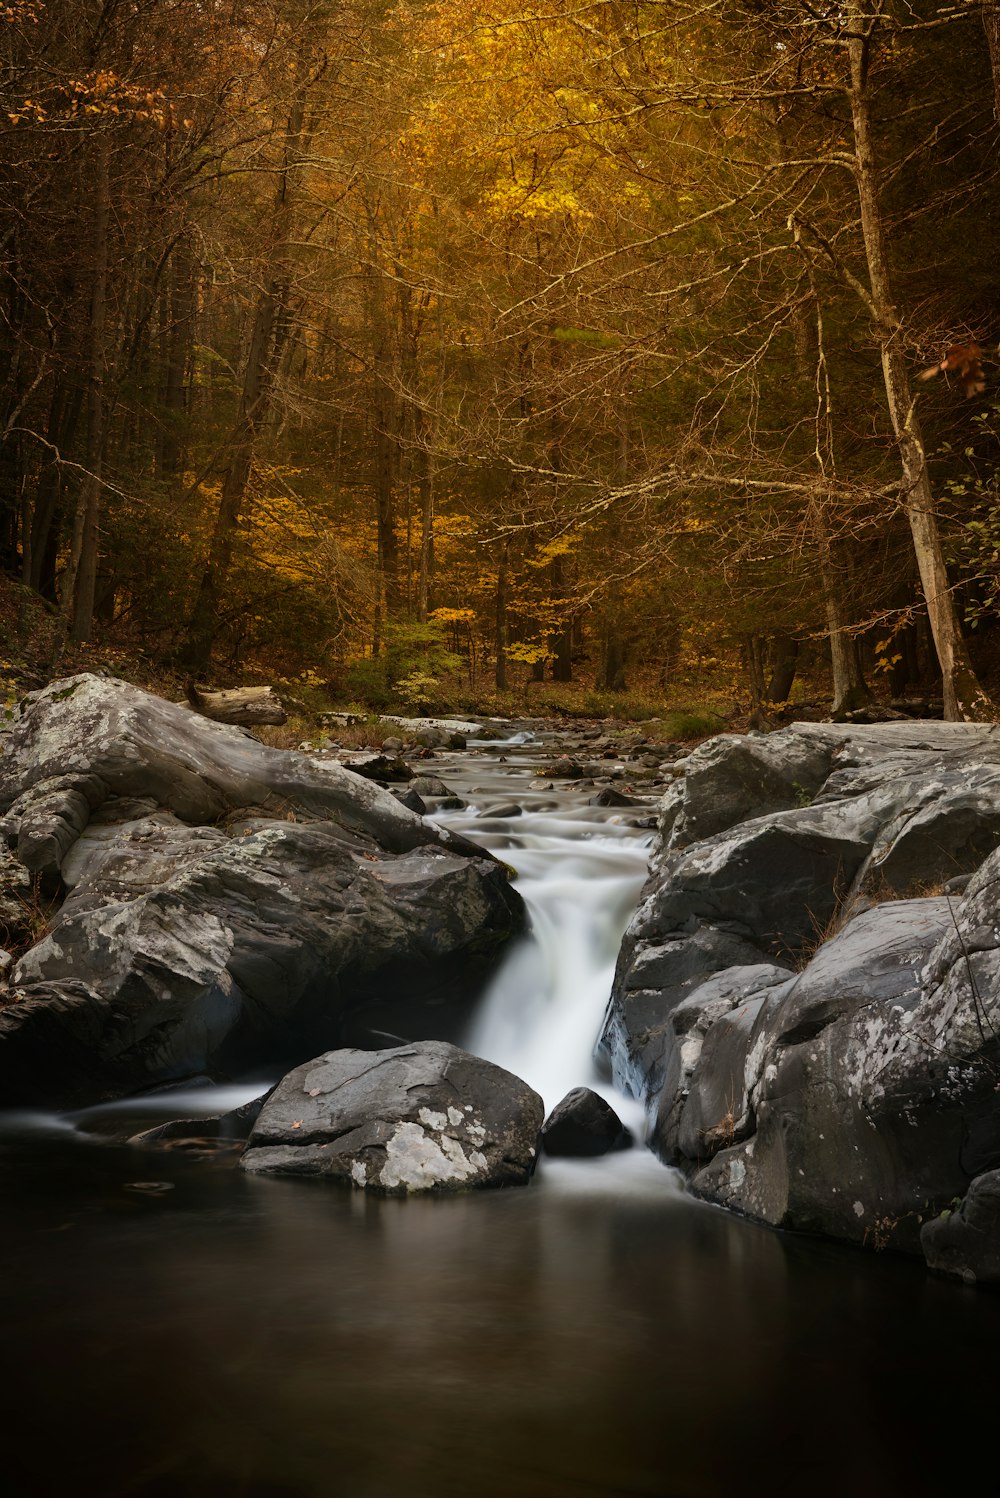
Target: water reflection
<point>246,1337</point>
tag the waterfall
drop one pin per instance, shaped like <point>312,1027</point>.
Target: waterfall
<point>579,870</point>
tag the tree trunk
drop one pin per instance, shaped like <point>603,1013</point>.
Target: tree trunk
<point>246,707</point>
<point>964,698</point>
<point>500,637</point>
<point>178,358</point>
<point>81,577</point>
<point>560,644</point>
<point>426,573</point>
<point>753,664</point>
<point>385,433</point>
<point>784,663</point>
<point>268,330</point>
<point>850,690</point>
<point>611,675</point>
<point>991,25</point>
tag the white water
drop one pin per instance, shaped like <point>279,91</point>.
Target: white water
<point>579,871</point>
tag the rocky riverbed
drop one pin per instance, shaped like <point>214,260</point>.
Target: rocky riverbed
<point>806,1000</point>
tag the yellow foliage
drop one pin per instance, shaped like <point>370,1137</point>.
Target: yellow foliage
<point>559,546</point>
<point>519,100</point>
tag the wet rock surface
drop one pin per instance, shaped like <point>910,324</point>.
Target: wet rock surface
<point>583,1125</point>
<point>213,903</point>
<point>411,1119</point>
<point>811,1017</point>
<point>965,1241</point>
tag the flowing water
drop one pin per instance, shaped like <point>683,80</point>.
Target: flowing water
<point>172,1327</point>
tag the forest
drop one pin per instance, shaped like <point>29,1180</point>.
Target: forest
<point>426,351</point>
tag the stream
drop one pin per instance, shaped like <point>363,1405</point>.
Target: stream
<point>173,1327</point>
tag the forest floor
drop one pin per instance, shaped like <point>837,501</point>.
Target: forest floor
<point>704,696</point>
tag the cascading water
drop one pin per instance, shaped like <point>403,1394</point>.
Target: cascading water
<point>579,870</point>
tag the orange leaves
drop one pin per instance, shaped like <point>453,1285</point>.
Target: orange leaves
<point>17,12</point>
<point>102,94</point>
<point>964,361</point>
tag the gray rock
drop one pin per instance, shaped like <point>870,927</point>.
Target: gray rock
<point>734,777</point>
<point>777,881</point>
<point>186,948</point>
<point>88,737</point>
<point>653,978</point>
<point>857,1098</point>
<point>430,785</point>
<point>583,1125</point>
<point>213,951</point>
<point>412,801</point>
<point>611,797</point>
<point>234,1125</point>
<point>20,910</point>
<point>413,1119</point>
<point>380,767</point>
<point>707,1102</point>
<point>565,768</point>
<point>965,1240</point>
<point>853,1131</point>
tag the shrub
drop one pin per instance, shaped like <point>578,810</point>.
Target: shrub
<point>692,725</point>
<point>406,672</point>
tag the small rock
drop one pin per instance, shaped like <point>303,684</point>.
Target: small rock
<point>609,797</point>
<point>565,768</point>
<point>966,1242</point>
<point>412,801</point>
<point>381,767</point>
<point>430,785</point>
<point>582,1125</point>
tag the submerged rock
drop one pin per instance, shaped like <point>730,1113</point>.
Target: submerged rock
<point>231,1127</point>
<point>417,1118</point>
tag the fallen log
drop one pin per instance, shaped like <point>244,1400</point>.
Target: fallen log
<point>245,707</point>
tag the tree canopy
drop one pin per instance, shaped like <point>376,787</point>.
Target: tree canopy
<point>367,339</point>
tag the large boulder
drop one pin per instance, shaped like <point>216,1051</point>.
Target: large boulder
<point>193,936</point>
<point>412,1119</point>
<point>654,978</point>
<point>734,777</point>
<point>838,1138</point>
<point>87,738</point>
<point>702,1102</point>
<point>893,809</point>
<point>842,1081</point>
